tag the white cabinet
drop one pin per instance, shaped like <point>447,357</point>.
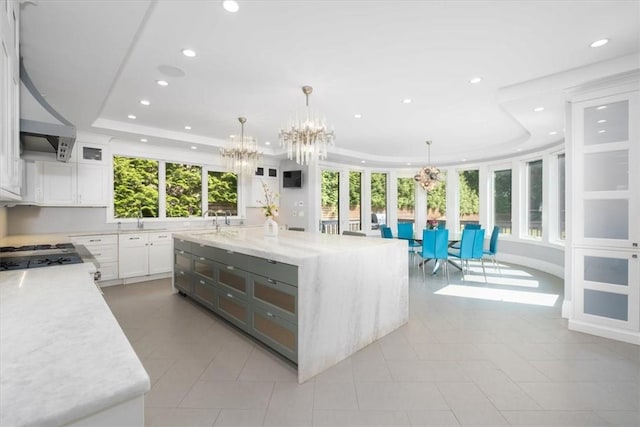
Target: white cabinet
<point>144,253</point>
<point>10,163</point>
<point>58,183</point>
<point>91,184</point>
<point>605,232</point>
<point>104,247</point>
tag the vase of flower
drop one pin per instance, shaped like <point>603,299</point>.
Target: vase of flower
<point>270,227</point>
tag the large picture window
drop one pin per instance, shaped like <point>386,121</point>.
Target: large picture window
<point>378,199</point>
<point>222,192</point>
<point>330,202</point>
<point>562,233</point>
<point>469,197</point>
<point>135,187</point>
<point>502,200</point>
<point>437,202</point>
<point>183,190</point>
<point>355,201</point>
<point>406,199</point>
<point>534,198</point>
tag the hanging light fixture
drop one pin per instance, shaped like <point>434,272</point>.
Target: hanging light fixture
<point>429,176</point>
<point>306,137</point>
<point>243,156</point>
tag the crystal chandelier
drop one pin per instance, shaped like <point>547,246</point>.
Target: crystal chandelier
<point>243,156</point>
<point>306,137</point>
<point>429,176</point>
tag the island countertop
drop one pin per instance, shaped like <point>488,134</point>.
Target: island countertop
<point>63,356</point>
<point>292,247</point>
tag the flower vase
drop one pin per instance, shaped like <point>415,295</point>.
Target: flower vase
<point>270,227</point>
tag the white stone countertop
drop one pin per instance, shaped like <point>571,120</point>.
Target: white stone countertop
<point>63,355</point>
<point>290,247</point>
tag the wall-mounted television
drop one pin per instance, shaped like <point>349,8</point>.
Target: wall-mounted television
<point>292,179</point>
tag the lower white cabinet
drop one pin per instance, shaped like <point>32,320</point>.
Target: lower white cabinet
<point>104,248</point>
<point>144,253</point>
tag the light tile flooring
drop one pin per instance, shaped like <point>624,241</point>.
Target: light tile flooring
<point>459,361</point>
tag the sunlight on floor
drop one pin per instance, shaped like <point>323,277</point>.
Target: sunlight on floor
<point>477,277</point>
<point>490,294</point>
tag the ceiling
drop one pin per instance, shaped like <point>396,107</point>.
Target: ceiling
<point>95,60</point>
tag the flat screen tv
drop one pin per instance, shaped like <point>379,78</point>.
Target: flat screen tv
<point>292,179</point>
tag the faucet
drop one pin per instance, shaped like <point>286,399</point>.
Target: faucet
<point>140,223</point>
<point>227,220</point>
<point>217,225</point>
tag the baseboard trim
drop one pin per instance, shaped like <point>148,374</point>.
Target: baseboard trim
<point>547,267</point>
<point>630,337</point>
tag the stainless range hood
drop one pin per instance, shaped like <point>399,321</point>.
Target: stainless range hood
<point>41,127</point>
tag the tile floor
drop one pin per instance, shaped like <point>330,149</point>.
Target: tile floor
<point>459,361</point>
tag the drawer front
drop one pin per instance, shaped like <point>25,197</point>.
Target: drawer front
<point>233,309</point>
<point>204,267</point>
<point>274,270</point>
<point>98,239</point>
<point>203,251</point>
<point>204,291</point>
<point>230,278</point>
<point>277,297</point>
<point>104,253</point>
<point>182,245</point>
<point>182,280</point>
<point>232,258</point>
<point>132,239</point>
<point>108,271</point>
<point>160,237</point>
<point>182,260</point>
<point>277,333</point>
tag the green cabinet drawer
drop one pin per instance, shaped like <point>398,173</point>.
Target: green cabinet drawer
<point>274,270</point>
<point>275,296</point>
<point>204,291</point>
<point>232,279</point>
<point>204,267</point>
<point>182,260</point>
<point>276,332</point>
<point>182,245</point>
<point>182,281</point>
<point>232,258</point>
<point>233,309</point>
<point>203,251</point>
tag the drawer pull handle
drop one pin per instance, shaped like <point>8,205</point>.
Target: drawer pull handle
<point>270,314</point>
<point>97,254</point>
<point>202,282</point>
<point>634,256</point>
<point>134,238</point>
<point>230,252</point>
<point>270,261</point>
<point>229,296</point>
<point>162,237</point>
<point>229,267</point>
<point>95,240</point>
<point>181,252</point>
<point>271,281</point>
<point>182,273</point>
<point>201,258</point>
<point>202,246</point>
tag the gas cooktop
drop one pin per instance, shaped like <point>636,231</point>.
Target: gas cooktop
<point>35,256</point>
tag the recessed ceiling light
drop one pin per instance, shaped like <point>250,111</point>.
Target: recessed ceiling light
<point>357,116</point>
<point>187,127</point>
<point>162,83</point>
<point>193,147</point>
<point>145,102</point>
<point>601,131</point>
<point>406,101</point>
<point>599,43</point>
<point>144,140</point>
<point>475,80</point>
<point>553,132</point>
<point>267,143</point>
<point>189,52</point>
<point>464,160</point>
<point>518,149</point>
<point>602,121</point>
<point>131,116</point>
<point>538,109</point>
<point>408,164</point>
<point>602,107</point>
<point>363,161</point>
<point>230,6</point>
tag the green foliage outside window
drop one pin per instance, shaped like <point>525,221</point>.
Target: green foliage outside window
<point>183,185</point>
<point>502,199</point>
<point>437,200</point>
<point>222,192</point>
<point>406,198</point>
<point>378,192</point>
<point>355,189</point>
<point>135,187</point>
<point>469,193</point>
<point>330,193</point>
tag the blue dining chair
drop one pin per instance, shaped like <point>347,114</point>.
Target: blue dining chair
<point>385,232</point>
<point>493,248</point>
<point>435,245</point>
<point>471,247</point>
<point>405,232</point>
<point>469,226</point>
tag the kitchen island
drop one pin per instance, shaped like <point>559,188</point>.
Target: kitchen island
<point>63,358</point>
<point>315,298</point>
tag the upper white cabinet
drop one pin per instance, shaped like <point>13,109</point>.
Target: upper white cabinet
<point>10,163</point>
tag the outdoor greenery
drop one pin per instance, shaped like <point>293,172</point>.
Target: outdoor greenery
<point>502,199</point>
<point>378,192</point>
<point>437,199</point>
<point>330,193</point>
<point>135,187</point>
<point>222,192</point>
<point>183,184</point>
<point>355,189</point>
<point>469,192</point>
<point>406,193</point>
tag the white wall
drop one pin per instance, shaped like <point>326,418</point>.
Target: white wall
<point>3,222</point>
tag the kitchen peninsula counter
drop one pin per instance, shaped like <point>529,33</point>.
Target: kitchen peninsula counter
<point>63,357</point>
<point>351,290</point>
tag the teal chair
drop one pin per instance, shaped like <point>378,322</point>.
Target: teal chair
<point>405,232</point>
<point>435,245</point>
<point>493,248</point>
<point>471,248</point>
<point>470,226</point>
<point>385,232</point>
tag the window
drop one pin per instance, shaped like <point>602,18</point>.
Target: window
<point>437,202</point>
<point>135,187</point>
<point>183,190</point>
<point>355,201</point>
<point>222,192</point>
<point>406,199</point>
<point>378,199</point>
<point>330,202</point>
<point>534,198</point>
<point>469,197</point>
<point>561,195</point>
<point>502,200</point>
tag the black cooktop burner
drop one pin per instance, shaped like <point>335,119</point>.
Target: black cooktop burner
<point>47,260</point>
<point>41,247</point>
<point>14,263</point>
